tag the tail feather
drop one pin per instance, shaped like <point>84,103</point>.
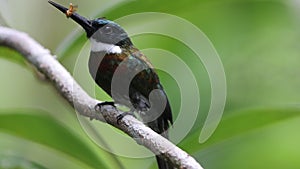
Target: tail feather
<point>163,164</point>
<point>161,125</point>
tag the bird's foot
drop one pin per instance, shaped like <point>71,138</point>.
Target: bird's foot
<point>121,116</point>
<point>99,105</point>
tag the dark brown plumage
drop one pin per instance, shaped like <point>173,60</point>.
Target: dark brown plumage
<point>125,73</point>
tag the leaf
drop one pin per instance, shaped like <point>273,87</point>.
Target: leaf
<point>12,162</point>
<point>11,55</point>
<point>240,123</point>
<point>265,138</point>
<point>45,130</point>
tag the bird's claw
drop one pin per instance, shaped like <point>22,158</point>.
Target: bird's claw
<point>122,115</point>
<point>99,105</point>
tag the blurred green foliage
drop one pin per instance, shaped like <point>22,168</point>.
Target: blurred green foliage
<point>258,43</point>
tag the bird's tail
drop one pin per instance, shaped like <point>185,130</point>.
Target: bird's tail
<point>161,125</point>
<point>163,164</point>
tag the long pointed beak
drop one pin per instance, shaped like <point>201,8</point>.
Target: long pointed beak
<point>85,23</point>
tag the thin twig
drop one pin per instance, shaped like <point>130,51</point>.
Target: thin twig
<point>41,58</point>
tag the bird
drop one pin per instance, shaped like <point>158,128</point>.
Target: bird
<point>125,73</point>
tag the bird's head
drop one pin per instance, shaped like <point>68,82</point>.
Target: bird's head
<point>105,35</point>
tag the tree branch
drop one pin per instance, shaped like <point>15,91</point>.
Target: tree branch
<point>41,58</point>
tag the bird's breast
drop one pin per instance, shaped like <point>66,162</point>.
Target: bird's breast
<point>122,73</point>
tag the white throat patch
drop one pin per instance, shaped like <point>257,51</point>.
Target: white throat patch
<point>104,47</point>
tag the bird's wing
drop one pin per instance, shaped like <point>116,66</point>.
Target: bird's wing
<point>147,90</point>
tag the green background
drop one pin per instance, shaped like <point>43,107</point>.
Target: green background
<point>257,41</point>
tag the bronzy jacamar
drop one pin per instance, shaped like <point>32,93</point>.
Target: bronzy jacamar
<point>125,73</point>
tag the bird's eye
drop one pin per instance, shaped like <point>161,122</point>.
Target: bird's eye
<point>107,30</point>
